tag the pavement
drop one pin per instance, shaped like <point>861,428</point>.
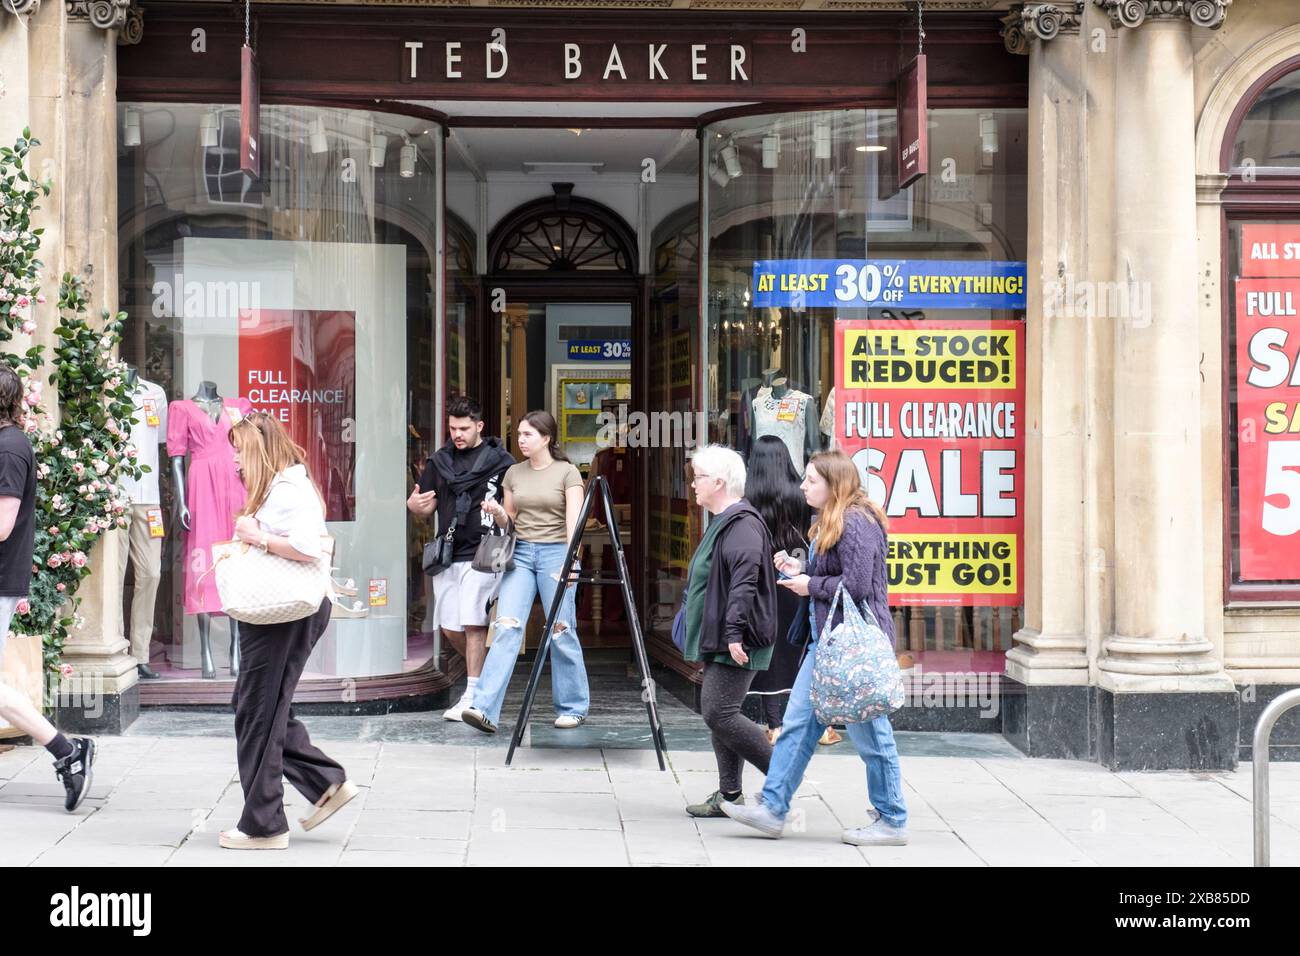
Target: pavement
<point>163,792</point>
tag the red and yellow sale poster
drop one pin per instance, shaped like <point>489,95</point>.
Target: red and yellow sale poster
<point>930,411</point>
<point>1268,403</point>
<point>300,366</point>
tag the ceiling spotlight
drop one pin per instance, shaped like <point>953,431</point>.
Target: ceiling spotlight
<point>130,127</point>
<point>871,148</point>
<point>319,143</point>
<point>771,148</point>
<point>208,129</point>
<point>822,141</point>
<point>719,175</point>
<point>378,149</point>
<point>408,160</point>
<point>731,159</point>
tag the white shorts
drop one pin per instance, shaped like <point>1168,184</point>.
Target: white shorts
<point>7,607</point>
<point>460,597</point>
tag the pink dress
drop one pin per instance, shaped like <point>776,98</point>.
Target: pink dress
<point>213,491</point>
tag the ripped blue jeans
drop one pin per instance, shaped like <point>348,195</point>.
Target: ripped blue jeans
<point>535,572</point>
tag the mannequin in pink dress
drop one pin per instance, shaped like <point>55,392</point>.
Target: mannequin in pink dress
<point>207,502</point>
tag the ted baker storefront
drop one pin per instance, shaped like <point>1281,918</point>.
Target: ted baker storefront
<point>684,226</point>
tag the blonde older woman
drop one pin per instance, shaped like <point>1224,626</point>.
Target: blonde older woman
<point>730,618</point>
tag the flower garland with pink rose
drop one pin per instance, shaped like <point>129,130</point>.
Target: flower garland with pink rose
<point>84,450</point>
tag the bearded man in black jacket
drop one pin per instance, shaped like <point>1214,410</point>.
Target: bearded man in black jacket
<point>456,479</point>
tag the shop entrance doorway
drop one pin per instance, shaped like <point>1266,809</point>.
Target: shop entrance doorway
<point>567,218</point>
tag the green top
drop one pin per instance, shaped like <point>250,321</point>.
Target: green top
<point>697,582</point>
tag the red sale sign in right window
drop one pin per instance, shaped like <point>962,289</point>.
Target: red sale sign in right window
<point>1268,414</point>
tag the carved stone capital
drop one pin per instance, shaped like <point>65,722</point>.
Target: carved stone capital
<point>1039,21</point>
<point>120,15</point>
<point>22,8</point>
<point>1133,13</point>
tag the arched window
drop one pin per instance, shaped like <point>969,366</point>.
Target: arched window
<point>562,235</point>
<point>1261,291</point>
<point>1267,142</point>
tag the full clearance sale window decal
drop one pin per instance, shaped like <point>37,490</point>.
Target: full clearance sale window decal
<point>300,365</point>
<point>930,411</point>
<point>1268,402</point>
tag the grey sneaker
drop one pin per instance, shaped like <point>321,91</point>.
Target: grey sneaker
<point>758,816</point>
<point>712,805</point>
<point>878,833</point>
<point>478,720</point>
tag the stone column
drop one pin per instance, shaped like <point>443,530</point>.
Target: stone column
<point>74,108</point>
<point>1163,698</point>
<point>1045,703</point>
<point>516,319</point>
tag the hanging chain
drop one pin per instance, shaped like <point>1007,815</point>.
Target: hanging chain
<point>247,5</point>
<point>920,28</point>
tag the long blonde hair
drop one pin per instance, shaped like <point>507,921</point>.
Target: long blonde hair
<point>846,494</point>
<point>265,449</point>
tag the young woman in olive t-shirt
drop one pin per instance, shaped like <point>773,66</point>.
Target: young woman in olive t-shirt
<point>543,495</point>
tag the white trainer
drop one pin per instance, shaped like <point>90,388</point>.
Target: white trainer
<point>878,833</point>
<point>569,721</point>
<point>454,711</point>
<point>757,816</point>
<point>238,840</point>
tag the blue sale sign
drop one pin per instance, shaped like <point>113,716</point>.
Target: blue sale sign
<point>600,350</point>
<point>906,283</point>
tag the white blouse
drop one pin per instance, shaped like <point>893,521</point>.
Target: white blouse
<point>293,509</point>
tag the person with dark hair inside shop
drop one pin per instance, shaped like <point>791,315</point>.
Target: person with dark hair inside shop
<point>543,500</point>
<point>456,478</point>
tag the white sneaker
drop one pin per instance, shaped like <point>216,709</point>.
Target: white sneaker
<point>757,816</point>
<point>569,721</point>
<point>454,711</point>
<point>879,833</point>
<point>238,840</point>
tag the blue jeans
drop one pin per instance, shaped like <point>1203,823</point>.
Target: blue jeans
<point>536,565</point>
<point>798,741</point>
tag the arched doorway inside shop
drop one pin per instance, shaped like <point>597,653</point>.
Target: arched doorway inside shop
<point>563,295</point>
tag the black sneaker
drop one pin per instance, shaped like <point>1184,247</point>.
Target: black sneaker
<point>76,773</point>
<point>478,720</point>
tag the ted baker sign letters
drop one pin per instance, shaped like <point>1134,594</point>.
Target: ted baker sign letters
<point>647,62</point>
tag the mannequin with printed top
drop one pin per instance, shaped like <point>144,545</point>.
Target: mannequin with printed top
<point>208,498</point>
<point>789,414</point>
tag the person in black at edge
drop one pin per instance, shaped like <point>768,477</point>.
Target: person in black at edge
<point>72,758</point>
<point>456,479</point>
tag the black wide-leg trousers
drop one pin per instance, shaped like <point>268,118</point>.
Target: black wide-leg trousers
<point>270,742</point>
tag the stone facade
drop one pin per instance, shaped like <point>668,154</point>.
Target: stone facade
<point>1127,655</point>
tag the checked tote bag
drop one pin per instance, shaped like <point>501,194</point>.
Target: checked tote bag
<point>264,588</point>
<point>855,673</point>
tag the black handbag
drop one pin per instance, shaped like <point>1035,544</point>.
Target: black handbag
<point>496,552</point>
<point>438,553</point>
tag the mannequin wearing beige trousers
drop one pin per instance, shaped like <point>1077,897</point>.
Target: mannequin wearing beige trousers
<point>145,553</point>
<point>148,432</point>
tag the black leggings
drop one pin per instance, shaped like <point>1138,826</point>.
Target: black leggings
<point>736,738</point>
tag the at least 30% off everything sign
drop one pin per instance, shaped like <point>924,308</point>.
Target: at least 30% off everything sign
<point>905,283</point>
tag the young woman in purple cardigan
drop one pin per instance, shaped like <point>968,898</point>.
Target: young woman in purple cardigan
<point>848,544</point>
